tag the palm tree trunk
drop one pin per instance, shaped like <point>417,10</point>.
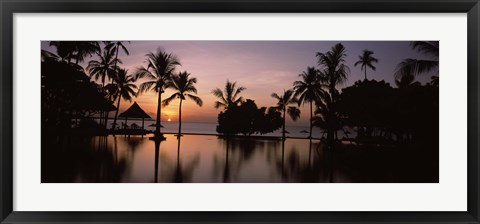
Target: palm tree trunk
<point>106,112</point>
<point>157,128</point>
<point>283,130</point>
<point>179,119</point>
<point>283,158</point>
<point>116,113</point>
<point>330,117</point>
<point>309,153</point>
<point>365,72</point>
<point>102,112</point>
<point>116,58</point>
<point>311,116</point>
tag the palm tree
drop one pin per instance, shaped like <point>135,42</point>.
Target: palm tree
<point>84,48</point>
<point>161,66</point>
<point>105,67</point>
<point>406,81</point>
<point>49,56</point>
<point>288,98</point>
<point>122,87</point>
<point>229,97</point>
<point>184,86</point>
<point>366,60</point>
<point>309,89</point>
<point>416,67</point>
<point>333,69</point>
<point>333,72</point>
<point>322,113</point>
<point>102,69</point>
<point>116,45</point>
<point>77,50</point>
<point>65,49</point>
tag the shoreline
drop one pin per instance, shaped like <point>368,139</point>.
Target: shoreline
<point>143,132</point>
<point>240,136</point>
<point>277,138</point>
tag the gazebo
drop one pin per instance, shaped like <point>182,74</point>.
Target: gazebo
<point>135,112</point>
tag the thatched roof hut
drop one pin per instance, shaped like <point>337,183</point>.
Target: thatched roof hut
<point>135,112</point>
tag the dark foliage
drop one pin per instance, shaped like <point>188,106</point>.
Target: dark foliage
<point>67,93</point>
<point>395,114</point>
<point>247,119</point>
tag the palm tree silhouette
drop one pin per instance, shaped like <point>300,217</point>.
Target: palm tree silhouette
<point>116,45</point>
<point>65,49</point>
<point>184,86</point>
<point>49,56</point>
<point>309,89</point>
<point>229,96</point>
<point>366,60</point>
<point>333,72</point>
<point>68,50</point>
<point>78,50</point>
<point>161,66</point>
<point>333,69</point>
<point>84,48</point>
<point>288,98</point>
<point>104,67</point>
<point>122,87</point>
<point>416,67</point>
<point>406,81</point>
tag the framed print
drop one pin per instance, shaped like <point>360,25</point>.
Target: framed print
<point>262,112</point>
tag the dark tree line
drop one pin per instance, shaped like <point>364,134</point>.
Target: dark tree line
<point>248,119</point>
<point>382,113</point>
<point>378,111</point>
<point>67,95</point>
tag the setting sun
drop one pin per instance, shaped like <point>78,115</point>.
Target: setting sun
<point>169,120</point>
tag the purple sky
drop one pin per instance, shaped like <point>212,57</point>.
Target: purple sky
<point>263,67</point>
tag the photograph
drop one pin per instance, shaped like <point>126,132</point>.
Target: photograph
<point>239,111</point>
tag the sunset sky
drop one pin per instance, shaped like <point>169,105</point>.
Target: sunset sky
<point>263,67</point>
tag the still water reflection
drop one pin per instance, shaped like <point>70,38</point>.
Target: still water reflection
<point>210,159</point>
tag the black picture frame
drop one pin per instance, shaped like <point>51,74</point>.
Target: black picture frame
<point>9,7</point>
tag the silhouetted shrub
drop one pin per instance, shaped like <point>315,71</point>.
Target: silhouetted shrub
<point>247,119</point>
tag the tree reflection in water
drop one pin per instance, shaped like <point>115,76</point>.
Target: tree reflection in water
<point>77,159</point>
<point>178,170</point>
<point>157,152</point>
<point>300,162</point>
<point>210,159</point>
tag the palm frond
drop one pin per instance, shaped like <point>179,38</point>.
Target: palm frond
<point>219,104</point>
<point>276,96</point>
<point>167,101</point>
<point>196,99</point>
<point>294,113</point>
<point>430,48</point>
<point>147,86</point>
<point>238,91</point>
<point>219,94</point>
<point>414,67</point>
<point>142,72</point>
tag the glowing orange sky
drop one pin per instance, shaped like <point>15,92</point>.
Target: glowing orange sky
<point>263,67</point>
